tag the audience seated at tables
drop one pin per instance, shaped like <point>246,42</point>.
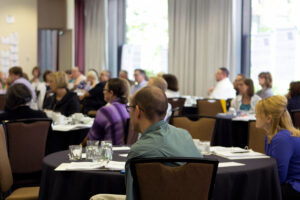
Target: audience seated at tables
<point>105,75</point>
<point>224,88</point>
<point>159,139</point>
<point>110,122</point>
<point>90,82</point>
<point>70,79</point>
<point>77,76</point>
<point>265,81</point>
<point>294,96</point>
<point>140,80</point>
<point>94,98</point>
<point>18,98</point>
<point>63,100</point>
<point>124,74</point>
<point>172,82</point>
<point>161,84</point>
<point>246,100</point>
<point>282,142</point>
<point>38,86</point>
<point>238,78</point>
<point>16,76</point>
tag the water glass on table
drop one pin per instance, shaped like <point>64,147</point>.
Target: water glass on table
<point>75,152</point>
<point>106,150</point>
<point>91,148</point>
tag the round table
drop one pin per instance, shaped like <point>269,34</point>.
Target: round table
<point>230,133</point>
<point>258,179</point>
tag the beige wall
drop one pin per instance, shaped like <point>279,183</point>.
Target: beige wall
<point>65,50</point>
<point>25,15</point>
<point>52,14</point>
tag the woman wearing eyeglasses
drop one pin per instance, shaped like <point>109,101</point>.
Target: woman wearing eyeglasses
<point>110,122</point>
<point>282,142</point>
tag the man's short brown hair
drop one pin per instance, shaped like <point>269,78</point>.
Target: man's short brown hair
<point>16,71</point>
<point>152,101</point>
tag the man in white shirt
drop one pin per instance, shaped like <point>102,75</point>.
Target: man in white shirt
<point>140,79</point>
<point>224,88</point>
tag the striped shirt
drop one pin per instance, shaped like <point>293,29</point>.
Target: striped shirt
<point>110,123</point>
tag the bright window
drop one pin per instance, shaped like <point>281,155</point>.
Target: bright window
<point>275,42</point>
<point>146,36</point>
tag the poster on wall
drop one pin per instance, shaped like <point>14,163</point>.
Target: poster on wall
<point>10,52</point>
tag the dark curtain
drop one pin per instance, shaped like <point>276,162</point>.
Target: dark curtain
<point>79,34</point>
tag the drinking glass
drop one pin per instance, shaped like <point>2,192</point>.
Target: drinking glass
<point>75,152</point>
<point>106,150</point>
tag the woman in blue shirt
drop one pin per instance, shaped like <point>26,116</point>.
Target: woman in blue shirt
<point>282,142</point>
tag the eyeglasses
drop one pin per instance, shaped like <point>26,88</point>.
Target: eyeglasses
<point>128,108</point>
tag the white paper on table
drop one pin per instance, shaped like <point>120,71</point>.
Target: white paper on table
<point>115,165</point>
<point>69,127</point>
<point>62,167</point>
<point>86,165</point>
<point>121,148</point>
<point>123,155</point>
<point>244,118</point>
<point>236,153</point>
<point>230,164</point>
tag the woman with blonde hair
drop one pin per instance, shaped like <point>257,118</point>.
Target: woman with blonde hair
<point>63,100</point>
<point>282,142</point>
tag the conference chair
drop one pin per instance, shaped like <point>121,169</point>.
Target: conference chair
<point>295,115</point>
<point>209,107</point>
<point>26,144</point>
<point>256,138</point>
<point>6,178</point>
<point>200,129</point>
<point>162,178</point>
<point>177,105</point>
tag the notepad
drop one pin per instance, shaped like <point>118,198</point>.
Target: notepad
<point>230,164</point>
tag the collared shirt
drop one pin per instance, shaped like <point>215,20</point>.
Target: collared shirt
<point>160,140</point>
<point>110,123</point>
<point>134,88</point>
<point>223,90</point>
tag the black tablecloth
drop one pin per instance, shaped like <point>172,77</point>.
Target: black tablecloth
<point>257,180</point>
<point>60,140</point>
<point>230,133</point>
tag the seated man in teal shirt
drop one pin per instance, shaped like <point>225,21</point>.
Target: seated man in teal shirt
<point>159,139</point>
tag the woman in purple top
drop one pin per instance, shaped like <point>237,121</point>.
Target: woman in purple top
<point>110,122</point>
<point>282,142</point>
